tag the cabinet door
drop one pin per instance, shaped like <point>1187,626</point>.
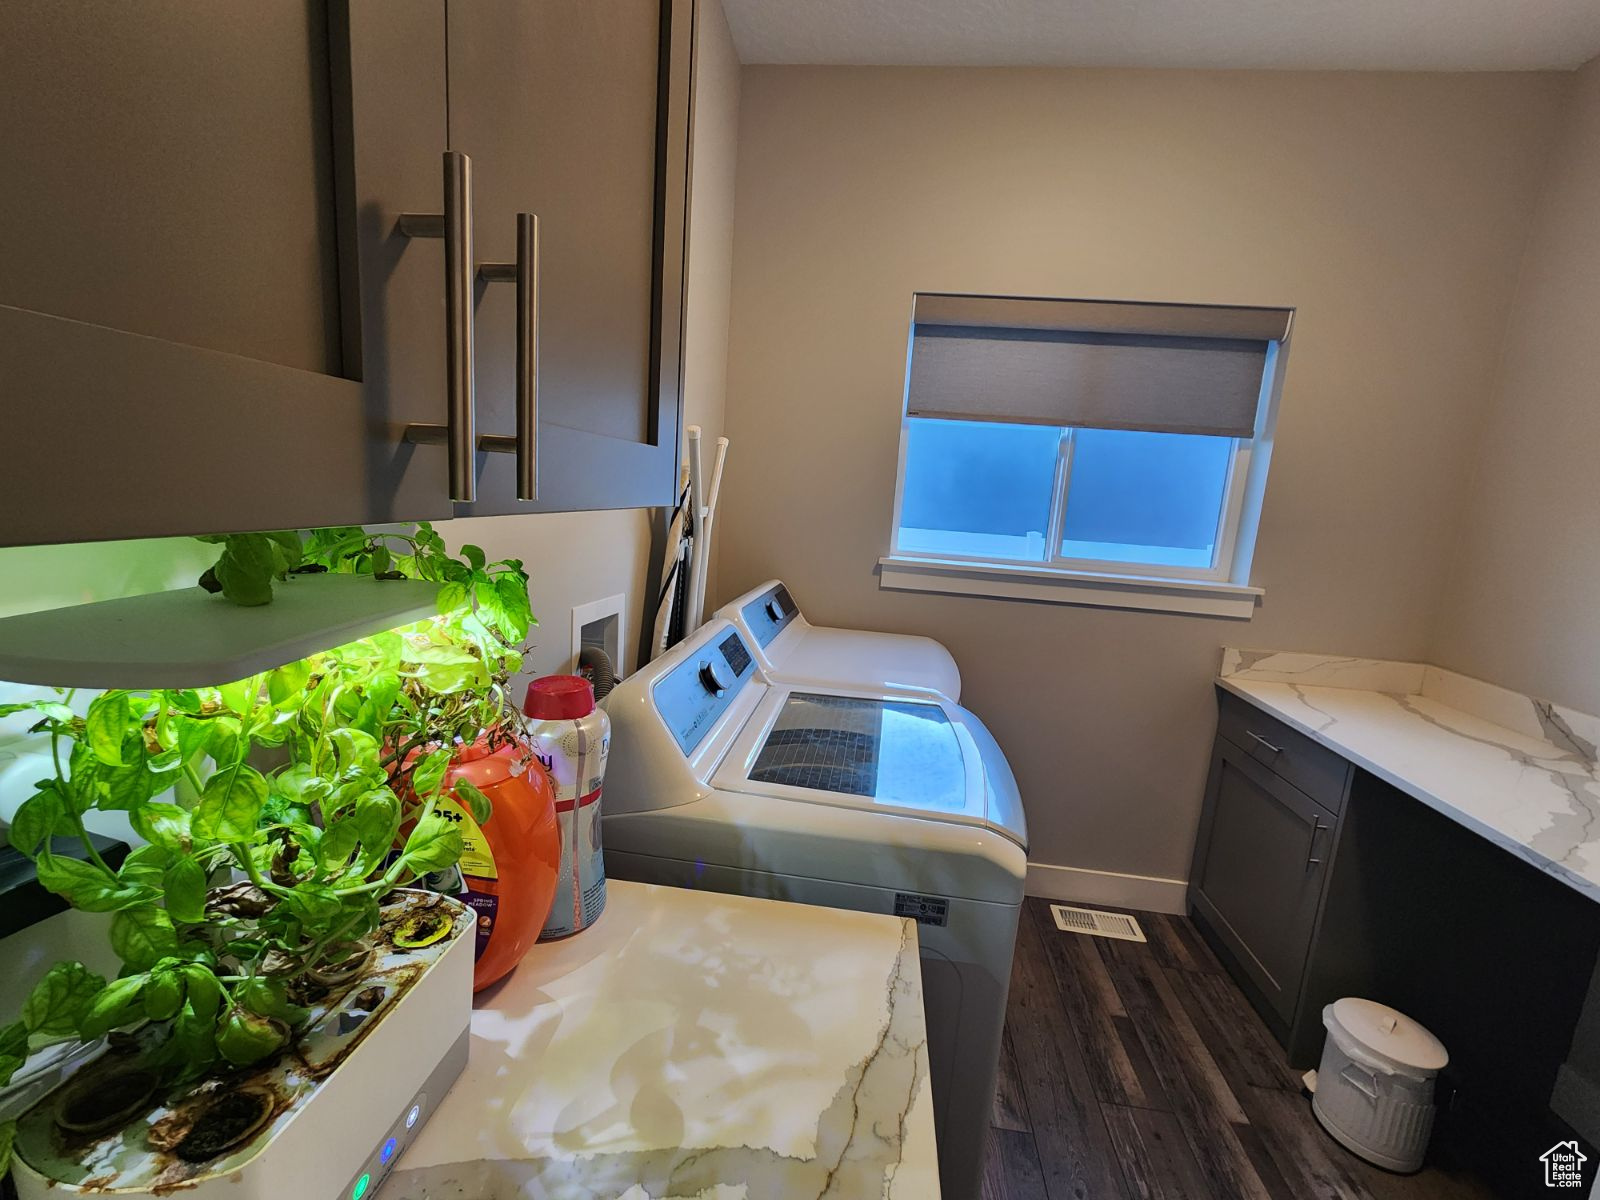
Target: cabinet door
<point>1259,870</point>
<point>207,322</point>
<point>579,113</point>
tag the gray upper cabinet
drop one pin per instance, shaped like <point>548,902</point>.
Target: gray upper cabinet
<point>577,114</point>
<point>207,321</point>
<point>210,319</point>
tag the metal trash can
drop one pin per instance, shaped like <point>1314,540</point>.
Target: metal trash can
<point>1374,1091</point>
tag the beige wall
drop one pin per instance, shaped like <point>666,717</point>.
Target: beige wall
<point>1390,209</point>
<point>1523,606</point>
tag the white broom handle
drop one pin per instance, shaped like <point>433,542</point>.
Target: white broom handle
<point>697,487</point>
<point>702,543</point>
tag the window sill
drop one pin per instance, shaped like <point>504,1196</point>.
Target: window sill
<point>1055,585</point>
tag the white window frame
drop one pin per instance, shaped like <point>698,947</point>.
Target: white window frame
<point>1220,589</point>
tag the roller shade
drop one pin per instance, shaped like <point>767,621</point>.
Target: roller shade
<point>1093,364</point>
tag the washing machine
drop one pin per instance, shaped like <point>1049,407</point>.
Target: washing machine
<point>874,800</point>
<point>789,648</point>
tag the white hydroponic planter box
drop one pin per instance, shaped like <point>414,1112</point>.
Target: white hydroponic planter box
<point>326,1117</point>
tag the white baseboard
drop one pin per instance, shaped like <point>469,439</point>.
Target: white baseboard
<point>1078,885</point>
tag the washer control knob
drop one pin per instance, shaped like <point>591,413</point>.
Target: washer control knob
<point>711,678</point>
<point>774,609</point>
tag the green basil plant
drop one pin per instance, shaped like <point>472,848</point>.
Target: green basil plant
<point>270,808</point>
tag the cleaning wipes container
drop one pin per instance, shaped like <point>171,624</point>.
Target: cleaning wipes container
<point>572,738</point>
<point>1375,1085</point>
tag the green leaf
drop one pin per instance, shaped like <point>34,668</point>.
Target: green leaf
<point>245,570</point>
<point>117,1005</point>
<point>14,1040</point>
<point>185,887</point>
<point>377,817</point>
<point>193,736</point>
<point>289,550</point>
<point>36,819</point>
<point>59,1000</point>
<point>191,1048</point>
<point>142,935</point>
<point>477,803</point>
<point>288,681</point>
<point>441,653</point>
<point>240,695</point>
<point>222,740</point>
<point>203,991</point>
<point>105,726</point>
<point>164,825</point>
<point>512,590</point>
<point>475,557</point>
<point>144,865</point>
<point>429,773</point>
<point>382,560</point>
<point>357,749</point>
<point>433,845</point>
<point>13,1052</point>
<point>83,775</point>
<point>129,786</point>
<point>52,710</point>
<point>185,700</point>
<point>448,680</point>
<point>337,844</point>
<point>452,596</point>
<point>270,998</point>
<point>163,995</point>
<point>246,1038</point>
<point>314,905</point>
<point>230,805</point>
<point>8,1136</point>
<point>84,885</point>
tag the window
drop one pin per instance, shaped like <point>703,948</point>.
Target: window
<point>1075,445</point>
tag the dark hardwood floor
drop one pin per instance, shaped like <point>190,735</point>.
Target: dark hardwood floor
<point>1138,1071</point>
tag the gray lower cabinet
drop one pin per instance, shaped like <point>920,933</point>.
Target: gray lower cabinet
<point>209,319</point>
<point>1259,869</point>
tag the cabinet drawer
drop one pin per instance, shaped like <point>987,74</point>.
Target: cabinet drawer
<point>1288,753</point>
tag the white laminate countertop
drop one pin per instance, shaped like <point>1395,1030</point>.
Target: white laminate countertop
<point>1519,771</point>
<point>691,1044</point>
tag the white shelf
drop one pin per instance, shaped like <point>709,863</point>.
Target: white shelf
<point>191,638</point>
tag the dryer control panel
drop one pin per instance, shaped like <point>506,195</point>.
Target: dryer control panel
<point>698,690</point>
<point>769,614</point>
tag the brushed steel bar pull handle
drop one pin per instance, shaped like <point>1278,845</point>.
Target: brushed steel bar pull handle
<point>1262,742</point>
<point>1316,827</point>
<point>525,274</point>
<point>454,225</point>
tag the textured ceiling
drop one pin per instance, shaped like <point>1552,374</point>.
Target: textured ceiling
<point>1425,35</point>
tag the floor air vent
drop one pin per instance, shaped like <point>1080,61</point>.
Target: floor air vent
<point>1096,924</point>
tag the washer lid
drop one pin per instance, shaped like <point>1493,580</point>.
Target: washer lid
<point>862,751</point>
<point>1392,1037</point>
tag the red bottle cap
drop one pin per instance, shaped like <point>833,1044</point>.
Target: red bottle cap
<point>559,698</point>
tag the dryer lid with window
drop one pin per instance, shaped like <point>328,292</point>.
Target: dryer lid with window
<point>887,753</point>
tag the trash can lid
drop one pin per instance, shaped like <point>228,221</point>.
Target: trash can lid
<point>1389,1036</point>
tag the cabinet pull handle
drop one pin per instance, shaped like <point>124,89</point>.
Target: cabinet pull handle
<point>1316,827</point>
<point>1262,742</point>
<point>454,225</point>
<point>525,274</point>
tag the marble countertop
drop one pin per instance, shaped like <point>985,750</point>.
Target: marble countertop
<point>693,1045</point>
<point>1517,770</point>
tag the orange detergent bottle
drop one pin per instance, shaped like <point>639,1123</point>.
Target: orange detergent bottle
<point>510,863</point>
